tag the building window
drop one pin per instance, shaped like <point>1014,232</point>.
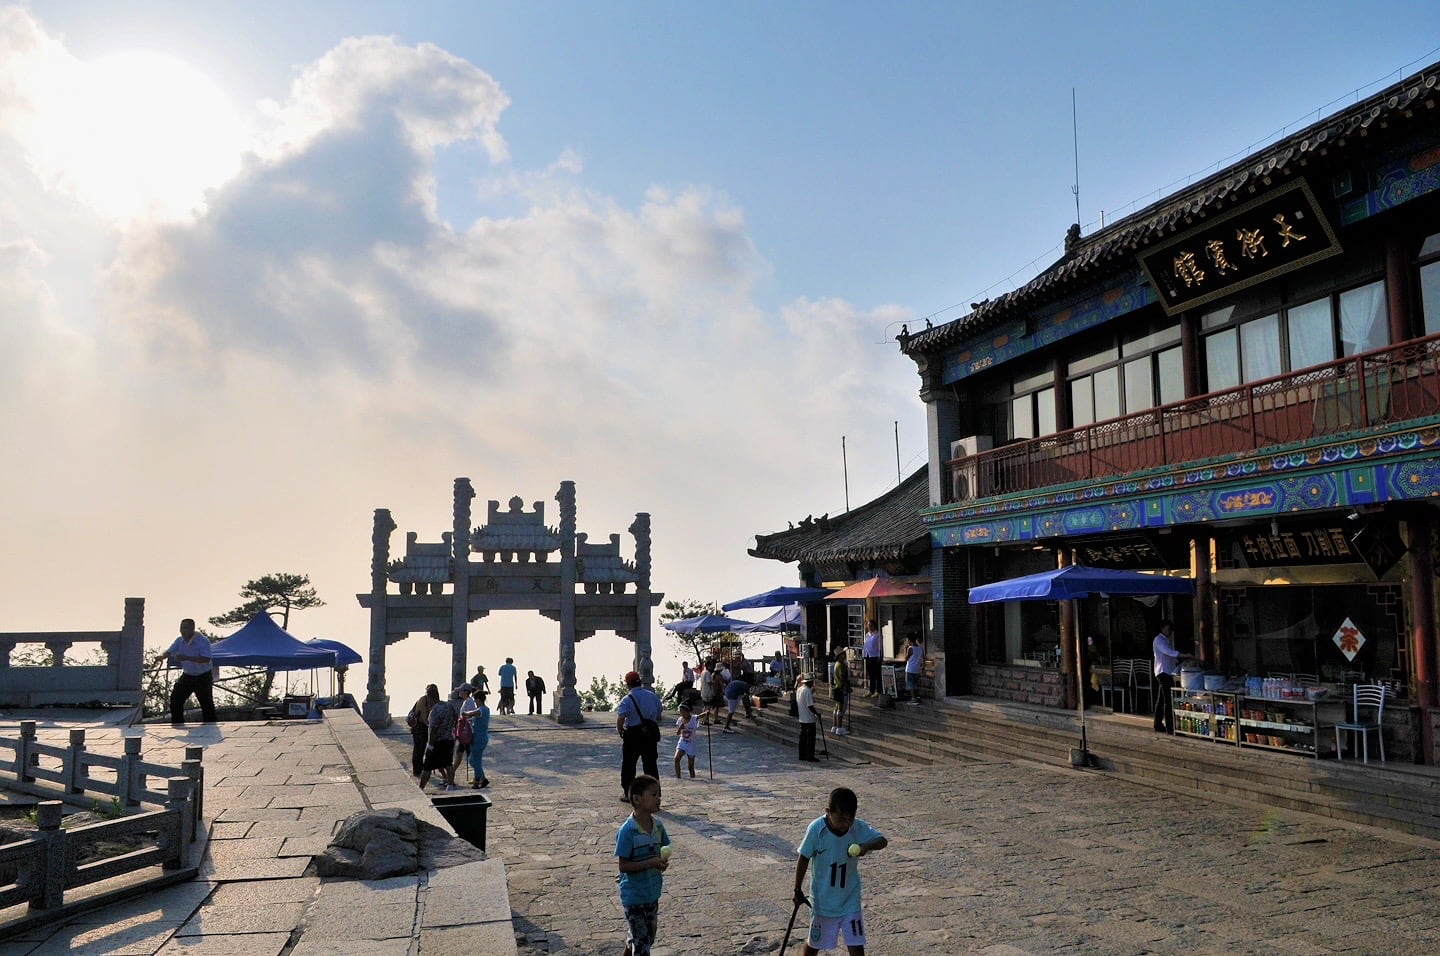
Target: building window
<point>1143,371</point>
<point>1296,337</point>
<point>1430,283</point>
<point>1032,406</point>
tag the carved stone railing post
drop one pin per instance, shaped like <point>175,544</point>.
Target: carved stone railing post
<point>76,772</point>
<point>194,768</point>
<point>178,791</point>
<point>127,775</point>
<point>49,891</point>
<point>25,755</point>
<point>567,701</point>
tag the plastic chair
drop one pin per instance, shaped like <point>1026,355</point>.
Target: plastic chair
<point>1118,686</point>
<point>1367,696</point>
<point>1142,681</point>
<point>1306,680</point>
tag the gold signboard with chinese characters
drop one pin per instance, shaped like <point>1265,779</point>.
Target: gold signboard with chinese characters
<point>1264,238</point>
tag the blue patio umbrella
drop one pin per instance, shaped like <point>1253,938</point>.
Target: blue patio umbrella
<point>1078,581</point>
<point>344,654</point>
<point>778,597</point>
<point>1070,584</point>
<point>706,624</point>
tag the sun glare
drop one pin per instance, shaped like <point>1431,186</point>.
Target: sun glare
<point>137,135</point>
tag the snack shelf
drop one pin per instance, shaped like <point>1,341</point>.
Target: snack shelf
<point>1290,725</point>
<point>1207,715</point>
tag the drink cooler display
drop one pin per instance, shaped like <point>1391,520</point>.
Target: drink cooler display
<point>1293,726</point>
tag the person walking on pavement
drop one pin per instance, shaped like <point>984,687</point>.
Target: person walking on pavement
<point>637,721</point>
<point>1167,665</point>
<point>191,653</point>
<point>508,676</point>
<point>870,651</point>
<point>479,740</point>
<point>809,717</point>
<point>418,720</point>
<point>440,750</point>
<point>535,690</point>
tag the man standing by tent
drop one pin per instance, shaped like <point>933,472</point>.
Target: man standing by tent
<point>191,653</point>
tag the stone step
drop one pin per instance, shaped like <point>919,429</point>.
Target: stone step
<point>1397,797</point>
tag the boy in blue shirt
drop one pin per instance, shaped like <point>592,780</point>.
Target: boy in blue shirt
<point>642,851</point>
<point>836,842</point>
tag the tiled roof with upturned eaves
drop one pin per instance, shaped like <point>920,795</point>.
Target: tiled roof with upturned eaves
<point>885,529</point>
<point>1392,110</point>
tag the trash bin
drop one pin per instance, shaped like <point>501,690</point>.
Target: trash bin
<point>465,812</point>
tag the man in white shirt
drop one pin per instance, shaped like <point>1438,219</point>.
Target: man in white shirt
<point>805,707</point>
<point>1167,665</point>
<point>191,653</point>
<point>870,650</point>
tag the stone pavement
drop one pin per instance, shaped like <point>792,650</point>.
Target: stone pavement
<point>275,792</point>
<point>993,857</point>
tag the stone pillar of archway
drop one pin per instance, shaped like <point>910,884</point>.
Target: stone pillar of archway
<point>566,700</point>
<point>460,579</point>
<point>376,709</point>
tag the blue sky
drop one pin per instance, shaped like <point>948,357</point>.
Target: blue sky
<point>335,254</point>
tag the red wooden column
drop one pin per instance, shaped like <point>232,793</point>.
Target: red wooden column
<point>1424,652</point>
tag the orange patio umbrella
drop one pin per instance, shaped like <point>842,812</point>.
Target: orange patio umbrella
<point>879,588</point>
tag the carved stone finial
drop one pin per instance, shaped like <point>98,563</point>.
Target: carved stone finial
<point>460,536</point>
<point>566,497</point>
<point>640,528</point>
<point>380,547</point>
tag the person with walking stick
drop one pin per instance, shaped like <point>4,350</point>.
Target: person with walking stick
<point>809,718</point>
<point>835,842</point>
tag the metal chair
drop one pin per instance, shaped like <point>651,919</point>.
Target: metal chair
<point>1306,680</point>
<point>1142,681</point>
<point>1118,685</point>
<point>1367,696</point>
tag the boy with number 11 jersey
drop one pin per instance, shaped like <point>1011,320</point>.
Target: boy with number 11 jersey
<point>835,843</point>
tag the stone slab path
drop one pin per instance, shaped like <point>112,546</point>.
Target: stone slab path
<point>992,857</point>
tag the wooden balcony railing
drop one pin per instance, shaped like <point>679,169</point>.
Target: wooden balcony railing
<point>1367,392</point>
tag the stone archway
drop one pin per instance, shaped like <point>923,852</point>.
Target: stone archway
<point>512,562</point>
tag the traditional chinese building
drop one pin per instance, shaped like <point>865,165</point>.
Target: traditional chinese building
<point>883,538</point>
<point>1239,383</point>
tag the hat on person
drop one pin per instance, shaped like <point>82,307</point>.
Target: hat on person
<point>803,679</point>
<point>632,679</point>
<point>465,688</point>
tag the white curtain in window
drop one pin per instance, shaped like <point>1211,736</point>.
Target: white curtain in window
<point>1364,324</point>
<point>1260,348</point>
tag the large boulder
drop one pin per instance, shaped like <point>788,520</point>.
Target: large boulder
<point>376,844</point>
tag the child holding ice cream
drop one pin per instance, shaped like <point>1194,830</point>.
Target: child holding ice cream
<point>642,851</point>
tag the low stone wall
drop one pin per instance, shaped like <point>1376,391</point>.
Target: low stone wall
<point>1021,685</point>
<point>118,681</point>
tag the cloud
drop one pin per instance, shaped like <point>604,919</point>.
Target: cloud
<point>241,388</point>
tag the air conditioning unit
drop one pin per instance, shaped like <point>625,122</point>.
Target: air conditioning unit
<point>965,478</point>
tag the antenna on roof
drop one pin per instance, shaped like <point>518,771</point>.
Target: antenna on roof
<point>1075,135</point>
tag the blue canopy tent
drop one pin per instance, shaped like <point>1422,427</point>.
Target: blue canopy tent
<point>1071,584</point>
<point>345,655</point>
<point>706,624</point>
<point>785,619</point>
<point>263,643</point>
